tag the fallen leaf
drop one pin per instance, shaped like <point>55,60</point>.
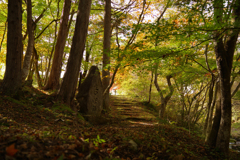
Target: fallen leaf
<point>24,145</point>
<point>71,147</point>
<point>81,155</point>
<point>11,151</point>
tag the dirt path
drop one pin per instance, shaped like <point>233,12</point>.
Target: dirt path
<point>131,112</point>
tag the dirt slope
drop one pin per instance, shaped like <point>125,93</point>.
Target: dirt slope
<point>36,126</point>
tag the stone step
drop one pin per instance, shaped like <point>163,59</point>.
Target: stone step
<point>138,119</point>
<point>134,114</point>
<point>124,109</point>
<point>124,103</point>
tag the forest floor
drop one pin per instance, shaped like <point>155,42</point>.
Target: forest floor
<point>35,126</point>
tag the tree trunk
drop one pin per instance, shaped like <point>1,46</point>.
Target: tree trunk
<point>164,100</point>
<point>12,77</point>
<point>106,52</point>
<point>224,58</point>
<point>53,81</point>
<point>150,88</point>
<point>28,55</point>
<point>209,122</point>
<point>86,68</point>
<point>210,99</point>
<point>69,84</point>
<point>39,80</point>
<point>226,106</point>
<point>32,68</point>
<point>212,137</point>
<point>4,32</point>
<point>162,108</point>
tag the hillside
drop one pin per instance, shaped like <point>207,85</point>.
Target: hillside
<point>35,126</point>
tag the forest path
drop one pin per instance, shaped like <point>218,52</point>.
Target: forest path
<point>131,112</point>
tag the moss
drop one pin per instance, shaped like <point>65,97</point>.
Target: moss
<point>15,101</point>
<point>61,107</point>
<point>80,116</point>
<point>237,95</point>
<point>65,109</point>
<point>236,125</point>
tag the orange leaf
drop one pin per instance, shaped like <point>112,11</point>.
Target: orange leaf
<point>81,155</point>
<point>11,151</point>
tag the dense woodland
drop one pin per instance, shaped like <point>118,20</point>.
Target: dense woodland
<point>182,57</point>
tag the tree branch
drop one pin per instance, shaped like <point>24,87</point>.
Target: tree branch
<point>45,28</point>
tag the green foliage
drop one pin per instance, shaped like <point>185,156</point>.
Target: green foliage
<point>237,95</point>
<point>150,106</point>
<point>96,141</point>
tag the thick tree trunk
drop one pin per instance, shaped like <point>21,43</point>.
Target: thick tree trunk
<point>69,84</point>
<point>13,75</point>
<point>224,58</point>
<point>53,81</point>
<point>226,106</point>
<point>162,108</point>
<point>28,55</point>
<point>106,52</point>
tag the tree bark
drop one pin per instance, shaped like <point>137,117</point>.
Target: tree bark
<point>150,88</point>
<point>212,137</point>
<point>32,69</point>
<point>38,77</point>
<point>53,81</point>
<point>106,52</point>
<point>12,77</point>
<point>209,122</point>
<point>5,29</point>
<point>87,59</point>
<point>164,100</point>
<point>210,99</point>
<point>69,84</point>
<point>28,55</point>
<point>224,58</point>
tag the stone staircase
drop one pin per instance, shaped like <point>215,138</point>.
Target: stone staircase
<point>131,111</point>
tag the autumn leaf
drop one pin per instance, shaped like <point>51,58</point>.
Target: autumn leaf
<point>81,155</point>
<point>11,151</point>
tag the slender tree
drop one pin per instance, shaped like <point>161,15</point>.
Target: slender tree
<point>164,100</point>
<point>106,52</point>
<point>28,55</point>
<point>69,84</point>
<point>12,78</point>
<point>53,81</point>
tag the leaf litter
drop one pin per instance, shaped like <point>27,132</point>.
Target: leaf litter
<point>31,128</point>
